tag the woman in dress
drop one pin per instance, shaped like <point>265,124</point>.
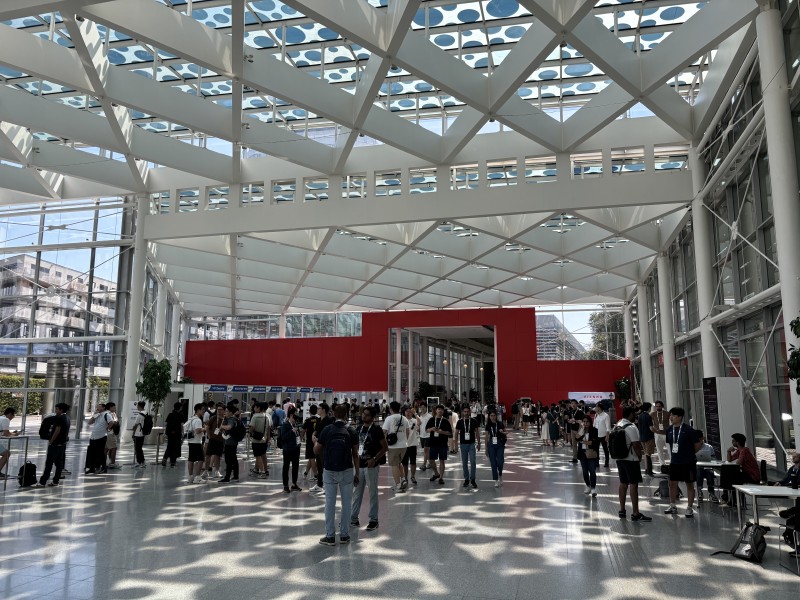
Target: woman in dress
<point>545,419</point>
<point>526,418</point>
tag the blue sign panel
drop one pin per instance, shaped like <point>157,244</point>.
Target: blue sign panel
<point>328,390</point>
<point>239,388</point>
<point>275,389</point>
<point>305,390</point>
<point>218,388</point>
<point>317,390</point>
<point>290,389</point>
<point>259,389</point>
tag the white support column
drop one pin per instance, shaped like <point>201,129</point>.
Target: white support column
<point>629,341</point>
<point>782,170</point>
<point>134,342</point>
<point>184,339</point>
<point>646,384</point>
<point>398,364</point>
<point>282,326</point>
<point>702,233</point>
<point>411,378</point>
<point>161,318</point>
<point>667,333</point>
<point>175,340</point>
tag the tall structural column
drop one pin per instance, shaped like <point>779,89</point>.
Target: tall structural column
<point>667,333</point>
<point>702,231</point>
<point>398,365</point>
<point>161,318</point>
<point>782,169</point>
<point>630,343</point>
<point>175,340</point>
<point>134,343</point>
<point>646,384</point>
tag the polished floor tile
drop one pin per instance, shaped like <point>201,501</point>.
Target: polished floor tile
<point>147,534</point>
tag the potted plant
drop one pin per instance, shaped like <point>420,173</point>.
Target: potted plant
<point>793,358</point>
<point>155,385</point>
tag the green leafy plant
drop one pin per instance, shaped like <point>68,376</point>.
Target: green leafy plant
<point>793,359</point>
<point>155,384</point>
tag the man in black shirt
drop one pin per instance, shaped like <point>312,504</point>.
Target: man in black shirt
<point>325,419</point>
<point>309,427</point>
<point>56,446</point>
<point>372,449</point>
<point>440,432</point>
<point>575,418</point>
<point>468,437</point>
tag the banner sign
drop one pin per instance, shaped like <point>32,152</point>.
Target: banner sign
<point>305,390</point>
<point>240,388</point>
<point>275,389</point>
<point>218,388</point>
<point>591,397</point>
<point>317,390</point>
<point>291,389</point>
<point>328,390</point>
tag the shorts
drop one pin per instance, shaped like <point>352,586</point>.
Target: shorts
<point>214,447</point>
<point>259,449</point>
<point>438,453</point>
<point>395,456</point>
<point>649,447</point>
<point>195,452</point>
<point>310,451</point>
<point>425,442</point>
<point>410,456</point>
<point>527,419</point>
<point>686,473</point>
<point>630,471</point>
<point>111,442</point>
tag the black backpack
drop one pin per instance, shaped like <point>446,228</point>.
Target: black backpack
<point>147,426</point>
<point>27,475</point>
<point>338,450</point>
<point>618,446</point>
<point>751,545</point>
<point>46,428</point>
<point>238,431</point>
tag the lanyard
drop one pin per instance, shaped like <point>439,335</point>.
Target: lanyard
<point>436,423</point>
<point>679,428</point>
<point>467,423</point>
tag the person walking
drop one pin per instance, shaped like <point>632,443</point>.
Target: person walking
<point>628,465</point>
<point>309,427</point>
<point>602,422</point>
<point>339,447</point>
<point>468,438</point>
<point>372,450</point>
<point>138,436</point>
<point>230,445</point>
<point>290,443</point>
<point>588,454</point>
<point>495,434</point>
<point>396,428</point>
<point>409,461</point>
<point>56,446</point>
<point>660,419</point>
<point>424,437</point>
<point>644,423</point>
<point>173,429</point>
<point>440,431</point>
<point>259,430</point>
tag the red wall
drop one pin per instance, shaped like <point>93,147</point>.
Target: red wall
<point>360,363</point>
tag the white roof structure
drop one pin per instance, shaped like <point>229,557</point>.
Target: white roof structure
<point>466,137</point>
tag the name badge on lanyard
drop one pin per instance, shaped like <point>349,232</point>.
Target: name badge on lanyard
<point>494,440</point>
<point>297,439</point>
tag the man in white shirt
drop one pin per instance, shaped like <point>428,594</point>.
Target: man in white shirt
<point>194,436</point>
<point>630,469</point>
<point>396,428</point>
<point>102,422</point>
<point>5,432</point>
<point>424,436</point>
<point>602,423</point>
<point>138,435</point>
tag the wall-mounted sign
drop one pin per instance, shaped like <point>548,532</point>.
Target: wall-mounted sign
<point>275,389</point>
<point>317,390</point>
<point>217,388</point>
<point>291,389</point>
<point>259,389</point>
<point>305,390</point>
<point>240,388</point>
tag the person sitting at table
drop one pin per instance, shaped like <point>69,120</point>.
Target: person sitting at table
<point>793,474</point>
<point>741,455</point>
<point>5,432</point>
<point>705,454</point>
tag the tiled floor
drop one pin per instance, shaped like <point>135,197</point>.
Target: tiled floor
<point>146,534</point>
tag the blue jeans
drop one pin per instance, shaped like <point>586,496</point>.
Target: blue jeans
<point>368,478</point>
<point>343,480</point>
<point>704,474</point>
<point>496,456</point>
<point>468,453</point>
<point>589,466</point>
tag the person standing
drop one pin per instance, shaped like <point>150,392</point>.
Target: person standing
<point>112,439</point>
<point>5,432</point>
<point>138,436</point>
<point>339,446</point>
<point>230,445</point>
<point>372,450</point>
<point>173,429</point>
<point>101,422</point>
<point>495,446</point>
<point>526,417</point>
<point>644,423</point>
<point>683,443</point>
<point>56,446</point>
<point>440,431</point>
<point>216,443</point>
<point>194,437</point>
<point>588,454</point>
<point>309,427</point>
<point>468,438</point>
<point>575,418</point>
<point>602,422</point>
<point>325,419</point>
<point>424,437</point>
<point>660,419</point>
<point>259,430</point>
<point>396,428</point>
<point>629,468</point>
<point>409,462</point>
<point>290,443</point>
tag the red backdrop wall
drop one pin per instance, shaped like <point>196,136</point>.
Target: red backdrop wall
<point>361,363</point>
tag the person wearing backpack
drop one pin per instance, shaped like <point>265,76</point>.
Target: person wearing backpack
<point>56,446</point>
<point>259,429</point>
<point>290,444</point>
<point>339,446</point>
<point>396,427</point>
<point>325,419</point>
<point>626,449</point>
<point>101,422</point>
<point>138,435</point>
<point>231,443</point>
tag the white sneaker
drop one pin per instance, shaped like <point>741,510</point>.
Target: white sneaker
<point>315,489</point>
<point>190,480</point>
<point>594,493</point>
<point>500,480</point>
<point>217,474</point>
<point>204,475</point>
<point>588,490</point>
<point>497,483</point>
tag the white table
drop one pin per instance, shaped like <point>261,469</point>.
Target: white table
<point>8,440</point>
<point>710,464</point>
<point>761,491</point>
